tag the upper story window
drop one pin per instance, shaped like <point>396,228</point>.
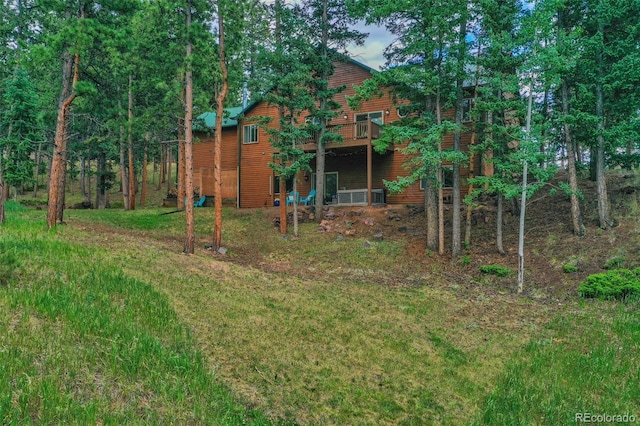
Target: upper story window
<point>467,106</point>
<point>377,117</point>
<point>250,133</point>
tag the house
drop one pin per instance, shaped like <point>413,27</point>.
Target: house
<point>203,155</point>
<point>354,171</point>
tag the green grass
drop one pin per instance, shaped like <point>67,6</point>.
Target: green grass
<point>587,361</point>
<point>84,343</point>
<point>317,330</point>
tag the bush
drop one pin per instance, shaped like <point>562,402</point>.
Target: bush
<point>497,270</point>
<point>614,263</point>
<point>569,268</point>
<point>614,284</point>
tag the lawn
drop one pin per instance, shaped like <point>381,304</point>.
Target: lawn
<point>105,320</point>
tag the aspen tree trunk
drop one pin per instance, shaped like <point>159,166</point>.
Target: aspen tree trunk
<point>457,136</point>
<point>217,149</point>
<point>189,245</point>
<point>320,148</point>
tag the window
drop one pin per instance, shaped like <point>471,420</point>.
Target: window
<point>467,106</point>
<point>362,123</point>
<point>250,133</point>
<point>376,117</point>
<point>276,184</point>
<point>447,178</point>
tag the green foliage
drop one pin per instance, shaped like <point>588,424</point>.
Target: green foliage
<point>497,270</point>
<point>569,268</point>
<point>613,263</point>
<point>465,260</point>
<point>614,284</point>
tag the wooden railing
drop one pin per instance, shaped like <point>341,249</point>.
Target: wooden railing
<point>361,130</point>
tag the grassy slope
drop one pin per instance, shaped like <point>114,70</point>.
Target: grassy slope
<point>307,337</point>
<point>84,343</point>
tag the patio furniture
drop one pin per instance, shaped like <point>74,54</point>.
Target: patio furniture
<point>293,197</point>
<point>309,199</point>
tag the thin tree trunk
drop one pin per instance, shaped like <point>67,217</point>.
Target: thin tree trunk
<point>295,191</point>
<point>143,192</point>
<point>499,220</point>
<point>169,168</point>
<point>321,148</point>
<point>189,245</point>
<point>439,174</point>
<point>601,180</point>
<point>217,149</point>
<point>431,207</point>
<point>2,189</point>
<point>124,173</point>
<point>132,168</point>
<point>576,216</point>
<point>58,162</point>
<point>101,181</point>
<point>36,173</point>
<point>457,136</point>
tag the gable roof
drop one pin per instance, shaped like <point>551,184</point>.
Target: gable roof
<point>228,120</point>
<point>343,58</point>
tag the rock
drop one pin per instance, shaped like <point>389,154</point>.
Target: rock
<point>369,221</point>
<point>350,232</point>
<point>402,228</point>
<point>378,236</point>
<point>339,238</point>
<point>366,243</point>
<point>222,250</point>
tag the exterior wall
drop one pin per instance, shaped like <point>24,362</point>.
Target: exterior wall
<point>203,153</point>
<point>256,177</point>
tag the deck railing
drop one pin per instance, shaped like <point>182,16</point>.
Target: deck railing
<point>360,130</point>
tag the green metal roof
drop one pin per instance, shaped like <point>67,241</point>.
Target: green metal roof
<point>229,119</point>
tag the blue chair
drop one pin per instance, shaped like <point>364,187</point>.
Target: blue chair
<point>309,199</point>
<point>293,197</point>
<point>200,202</point>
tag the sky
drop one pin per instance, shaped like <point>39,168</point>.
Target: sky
<point>371,53</point>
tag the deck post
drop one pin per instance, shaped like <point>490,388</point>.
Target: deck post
<point>369,167</point>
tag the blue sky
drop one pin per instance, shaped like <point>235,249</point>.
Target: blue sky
<point>371,53</point>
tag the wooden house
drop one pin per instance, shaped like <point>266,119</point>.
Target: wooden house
<point>203,155</point>
<point>354,171</point>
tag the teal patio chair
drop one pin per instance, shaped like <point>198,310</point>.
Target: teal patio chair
<point>309,199</point>
<point>200,202</point>
<point>293,197</point>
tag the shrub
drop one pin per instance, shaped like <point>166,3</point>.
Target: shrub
<point>465,260</point>
<point>569,268</point>
<point>614,263</point>
<point>497,270</point>
<point>614,284</point>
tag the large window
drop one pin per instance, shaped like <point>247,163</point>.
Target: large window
<point>467,106</point>
<point>250,133</point>
<point>362,123</point>
<point>447,178</point>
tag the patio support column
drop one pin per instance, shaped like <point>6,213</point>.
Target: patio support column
<point>369,173</point>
